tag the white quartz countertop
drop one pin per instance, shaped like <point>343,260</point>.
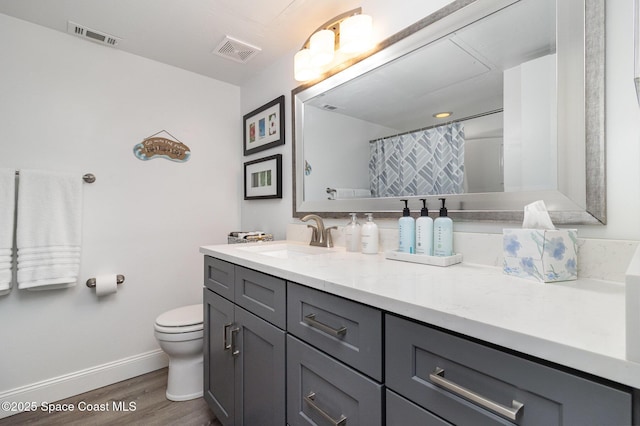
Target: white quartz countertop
<point>578,324</point>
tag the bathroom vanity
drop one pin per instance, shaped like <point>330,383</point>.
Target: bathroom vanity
<point>244,344</point>
<point>359,339</point>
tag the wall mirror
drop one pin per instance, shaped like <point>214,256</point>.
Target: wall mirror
<point>524,81</point>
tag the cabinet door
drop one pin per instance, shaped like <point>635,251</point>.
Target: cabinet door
<point>260,371</point>
<point>323,391</point>
<point>218,361</point>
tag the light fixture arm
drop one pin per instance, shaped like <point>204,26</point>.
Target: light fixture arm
<point>333,24</point>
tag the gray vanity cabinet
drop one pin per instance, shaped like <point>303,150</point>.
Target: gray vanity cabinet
<point>465,382</point>
<point>402,412</point>
<point>244,353</point>
<point>281,353</point>
<point>219,383</point>
<point>334,362</point>
<point>324,391</point>
<point>219,276</point>
<point>346,330</point>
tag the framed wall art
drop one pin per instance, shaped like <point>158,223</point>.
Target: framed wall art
<point>263,178</point>
<point>264,127</point>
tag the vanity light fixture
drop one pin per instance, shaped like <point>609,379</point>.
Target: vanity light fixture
<point>444,114</point>
<point>339,38</point>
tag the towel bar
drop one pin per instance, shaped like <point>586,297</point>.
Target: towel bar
<point>91,282</point>
<point>87,177</point>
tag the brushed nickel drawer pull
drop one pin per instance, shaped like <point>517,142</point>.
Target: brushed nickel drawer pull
<point>511,413</point>
<point>225,333</point>
<point>313,322</point>
<point>310,399</point>
<point>234,350</point>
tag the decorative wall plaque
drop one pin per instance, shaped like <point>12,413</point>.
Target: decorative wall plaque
<point>159,146</point>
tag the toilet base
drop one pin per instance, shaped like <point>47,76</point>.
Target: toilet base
<point>186,379</point>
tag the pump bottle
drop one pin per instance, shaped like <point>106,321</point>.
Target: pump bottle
<point>424,231</point>
<point>407,227</point>
<point>352,234</point>
<point>369,233</point>
<point>443,233</point>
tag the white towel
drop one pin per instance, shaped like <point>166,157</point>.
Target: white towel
<point>7,210</point>
<point>342,193</point>
<point>362,193</point>
<point>49,229</point>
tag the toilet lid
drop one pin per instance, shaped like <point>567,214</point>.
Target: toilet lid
<point>181,317</point>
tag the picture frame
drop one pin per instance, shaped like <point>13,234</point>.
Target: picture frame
<point>263,178</point>
<point>263,128</point>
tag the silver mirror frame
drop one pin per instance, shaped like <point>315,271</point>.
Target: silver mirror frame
<point>588,125</point>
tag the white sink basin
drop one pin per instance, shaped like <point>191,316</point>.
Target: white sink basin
<point>286,250</point>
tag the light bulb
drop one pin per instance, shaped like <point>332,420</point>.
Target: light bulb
<point>302,68</point>
<point>322,46</point>
<point>356,34</point>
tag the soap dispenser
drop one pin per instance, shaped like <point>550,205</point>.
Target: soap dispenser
<point>424,231</point>
<point>352,234</point>
<point>407,228</point>
<point>443,233</point>
<point>369,233</point>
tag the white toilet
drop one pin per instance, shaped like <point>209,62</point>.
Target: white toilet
<point>179,333</point>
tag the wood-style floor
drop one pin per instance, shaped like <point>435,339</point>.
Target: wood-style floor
<point>143,397</point>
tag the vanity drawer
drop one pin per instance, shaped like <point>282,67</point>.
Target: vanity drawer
<point>346,330</point>
<point>423,364</point>
<point>323,391</point>
<point>261,294</point>
<point>219,276</point>
<point>402,412</point>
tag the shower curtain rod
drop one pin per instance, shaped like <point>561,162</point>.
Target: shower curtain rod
<point>482,114</point>
<point>87,177</point>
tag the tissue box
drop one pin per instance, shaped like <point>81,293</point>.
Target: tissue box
<point>541,254</point>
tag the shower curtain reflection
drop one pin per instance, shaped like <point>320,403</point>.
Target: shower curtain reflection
<point>423,162</point>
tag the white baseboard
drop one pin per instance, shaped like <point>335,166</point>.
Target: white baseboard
<point>78,382</point>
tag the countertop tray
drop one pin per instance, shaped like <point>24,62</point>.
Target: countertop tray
<point>423,258</point>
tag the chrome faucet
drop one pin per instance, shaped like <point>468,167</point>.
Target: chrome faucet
<point>320,236</point>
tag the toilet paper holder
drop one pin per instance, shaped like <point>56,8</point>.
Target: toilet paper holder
<point>91,282</point>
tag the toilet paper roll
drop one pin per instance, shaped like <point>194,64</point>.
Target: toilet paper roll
<point>106,284</point>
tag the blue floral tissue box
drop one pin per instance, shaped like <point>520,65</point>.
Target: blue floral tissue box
<point>543,255</point>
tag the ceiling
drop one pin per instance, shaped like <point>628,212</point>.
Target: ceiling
<point>184,33</point>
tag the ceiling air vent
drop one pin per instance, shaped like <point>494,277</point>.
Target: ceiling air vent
<point>236,50</point>
<point>93,35</point>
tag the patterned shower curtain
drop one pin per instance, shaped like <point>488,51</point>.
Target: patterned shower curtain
<point>424,162</point>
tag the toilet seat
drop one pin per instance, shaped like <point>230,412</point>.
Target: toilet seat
<point>176,330</point>
<point>186,319</point>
